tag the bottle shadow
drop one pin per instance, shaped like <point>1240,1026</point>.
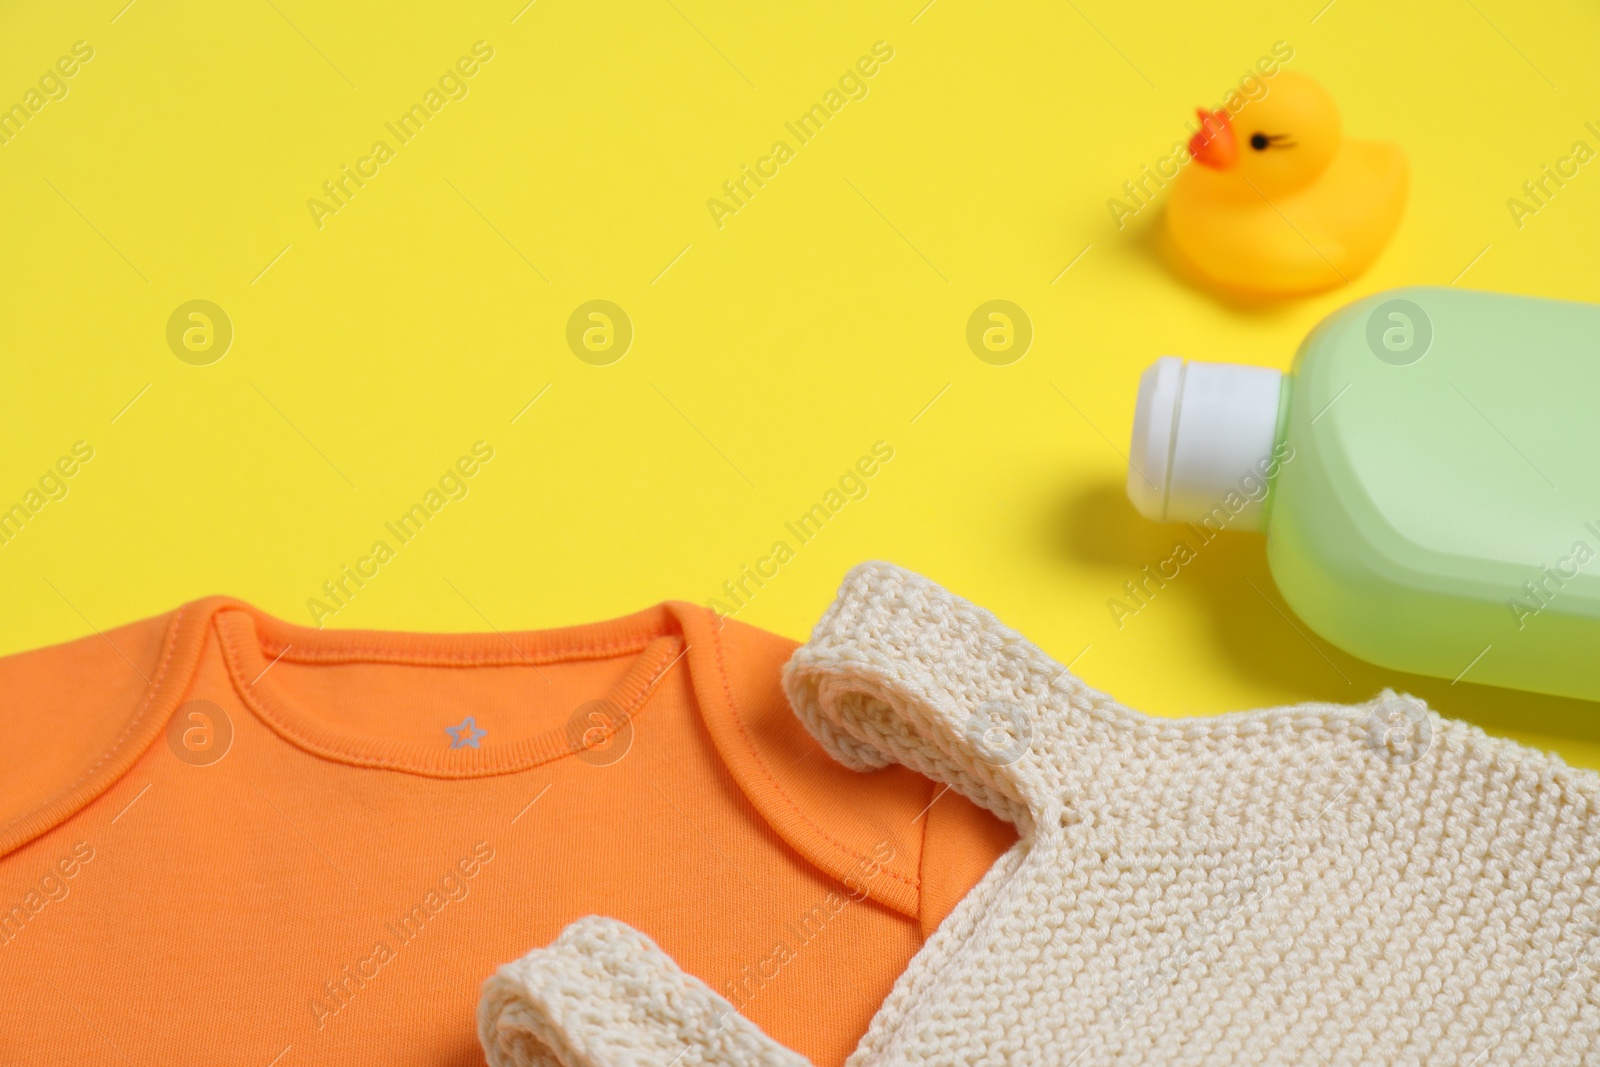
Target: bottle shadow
<point>1226,574</point>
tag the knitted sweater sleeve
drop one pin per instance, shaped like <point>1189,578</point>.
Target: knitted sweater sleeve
<point>900,671</point>
<point>603,995</point>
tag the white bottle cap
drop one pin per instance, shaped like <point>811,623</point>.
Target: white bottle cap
<point>1203,435</point>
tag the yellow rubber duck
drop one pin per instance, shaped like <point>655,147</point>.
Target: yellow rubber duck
<point>1281,203</point>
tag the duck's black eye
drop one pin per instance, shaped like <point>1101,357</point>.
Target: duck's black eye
<point>1258,141</point>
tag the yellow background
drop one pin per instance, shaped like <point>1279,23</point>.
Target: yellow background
<point>824,316</point>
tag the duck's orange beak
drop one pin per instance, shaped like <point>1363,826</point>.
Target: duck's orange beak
<point>1214,146</point>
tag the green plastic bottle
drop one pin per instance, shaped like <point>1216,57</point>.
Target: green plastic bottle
<point>1427,475</point>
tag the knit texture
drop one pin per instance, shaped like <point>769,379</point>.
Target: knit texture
<point>1317,884</point>
<point>603,993</point>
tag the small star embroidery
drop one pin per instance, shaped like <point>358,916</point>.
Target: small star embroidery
<point>466,735</point>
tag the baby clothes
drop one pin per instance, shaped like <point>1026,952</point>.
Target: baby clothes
<point>1317,884</point>
<point>226,839</point>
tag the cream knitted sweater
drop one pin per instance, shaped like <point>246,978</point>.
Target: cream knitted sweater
<point>1316,885</point>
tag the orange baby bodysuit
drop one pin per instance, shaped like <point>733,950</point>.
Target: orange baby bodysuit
<point>227,839</point>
